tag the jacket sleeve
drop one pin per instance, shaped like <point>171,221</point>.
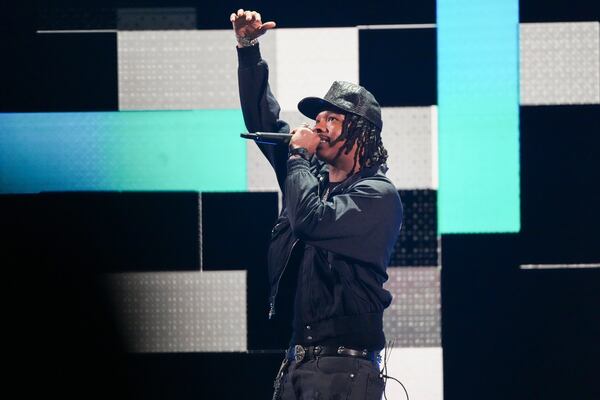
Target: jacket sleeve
<point>362,223</point>
<point>260,108</point>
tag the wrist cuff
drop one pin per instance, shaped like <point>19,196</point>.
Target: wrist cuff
<point>248,56</point>
<point>299,151</point>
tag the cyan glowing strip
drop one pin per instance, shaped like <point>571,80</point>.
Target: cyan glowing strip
<point>196,150</point>
<point>478,103</point>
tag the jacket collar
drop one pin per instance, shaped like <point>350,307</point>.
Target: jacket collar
<point>363,173</point>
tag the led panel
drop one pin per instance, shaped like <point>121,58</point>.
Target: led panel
<point>560,63</point>
<point>399,65</point>
<point>260,174</point>
<point>413,319</point>
<point>417,244</point>
<point>179,69</point>
<point>478,99</point>
<point>307,65</point>
<point>559,184</point>
<point>236,229</point>
<point>181,312</point>
<point>152,150</point>
<point>295,118</point>
<point>410,137</point>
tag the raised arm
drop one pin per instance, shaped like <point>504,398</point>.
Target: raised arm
<point>259,106</point>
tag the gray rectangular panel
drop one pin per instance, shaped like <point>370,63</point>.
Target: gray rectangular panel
<point>179,69</point>
<point>259,173</point>
<point>413,319</point>
<point>560,63</point>
<point>181,312</point>
<point>410,137</point>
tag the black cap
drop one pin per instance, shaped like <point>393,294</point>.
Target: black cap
<point>345,97</point>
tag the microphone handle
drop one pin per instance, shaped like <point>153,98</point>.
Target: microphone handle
<point>268,137</point>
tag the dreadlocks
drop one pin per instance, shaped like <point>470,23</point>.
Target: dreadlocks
<point>358,130</point>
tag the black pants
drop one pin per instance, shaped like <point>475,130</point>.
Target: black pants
<point>332,378</point>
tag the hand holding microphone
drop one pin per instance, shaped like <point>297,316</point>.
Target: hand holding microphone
<point>302,136</point>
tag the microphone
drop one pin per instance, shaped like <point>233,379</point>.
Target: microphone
<point>268,137</point>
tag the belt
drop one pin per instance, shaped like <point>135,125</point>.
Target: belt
<point>300,353</point>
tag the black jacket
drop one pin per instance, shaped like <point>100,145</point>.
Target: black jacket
<point>336,250</point>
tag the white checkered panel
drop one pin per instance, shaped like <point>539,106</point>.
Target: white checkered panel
<point>260,175</point>
<point>309,60</point>
<point>181,311</point>
<point>294,118</point>
<point>179,70</point>
<point>414,317</point>
<point>560,63</point>
<point>419,369</point>
<point>410,137</point>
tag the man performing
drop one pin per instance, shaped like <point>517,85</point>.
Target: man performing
<point>334,237</point>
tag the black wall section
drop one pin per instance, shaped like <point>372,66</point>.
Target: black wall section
<point>560,149</point>
<point>560,356</point>
<point>63,338</point>
<point>236,230</point>
<point>60,72</point>
<point>558,10</point>
<point>194,376</point>
<point>121,231</point>
<point>95,14</point>
<point>77,72</point>
<point>479,325</point>
<point>509,333</point>
<point>404,76</point>
<point>417,244</point>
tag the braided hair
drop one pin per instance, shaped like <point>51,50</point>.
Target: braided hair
<point>358,130</point>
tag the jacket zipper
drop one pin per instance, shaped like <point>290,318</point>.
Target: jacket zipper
<point>272,305</point>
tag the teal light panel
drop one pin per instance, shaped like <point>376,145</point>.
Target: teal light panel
<point>196,150</point>
<point>478,99</point>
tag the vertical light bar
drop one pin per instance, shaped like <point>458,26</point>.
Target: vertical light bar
<point>478,99</point>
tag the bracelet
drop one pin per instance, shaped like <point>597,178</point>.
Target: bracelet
<point>299,151</point>
<point>246,42</point>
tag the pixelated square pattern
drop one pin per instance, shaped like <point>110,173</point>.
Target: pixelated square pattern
<point>410,137</point>
<point>181,312</point>
<point>413,319</point>
<point>307,65</point>
<point>560,63</point>
<point>260,174</point>
<point>179,69</point>
<point>417,244</point>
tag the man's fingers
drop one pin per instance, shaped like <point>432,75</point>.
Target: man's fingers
<point>268,25</point>
<point>245,18</point>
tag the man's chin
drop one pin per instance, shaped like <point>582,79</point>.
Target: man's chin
<point>323,155</point>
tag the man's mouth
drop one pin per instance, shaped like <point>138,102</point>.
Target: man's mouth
<point>324,139</point>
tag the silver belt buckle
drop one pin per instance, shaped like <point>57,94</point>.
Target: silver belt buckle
<point>299,353</point>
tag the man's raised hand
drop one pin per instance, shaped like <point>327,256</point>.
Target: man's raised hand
<point>248,24</point>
